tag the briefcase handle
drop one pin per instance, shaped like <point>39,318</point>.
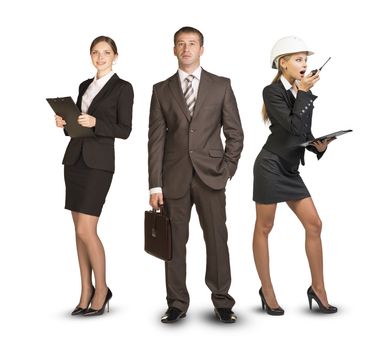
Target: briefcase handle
<point>161,210</point>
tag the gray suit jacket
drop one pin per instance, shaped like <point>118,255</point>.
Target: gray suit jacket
<point>178,142</point>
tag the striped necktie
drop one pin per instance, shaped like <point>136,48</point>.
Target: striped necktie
<point>189,94</point>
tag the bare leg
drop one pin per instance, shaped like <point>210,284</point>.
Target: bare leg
<point>84,266</point>
<point>86,233</point>
<point>306,212</point>
<point>265,216</point>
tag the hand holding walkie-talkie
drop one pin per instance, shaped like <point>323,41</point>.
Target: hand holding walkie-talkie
<point>307,82</point>
<point>313,72</point>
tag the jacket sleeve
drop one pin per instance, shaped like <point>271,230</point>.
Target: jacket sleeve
<point>232,130</point>
<point>121,128</point>
<point>156,141</point>
<point>293,120</point>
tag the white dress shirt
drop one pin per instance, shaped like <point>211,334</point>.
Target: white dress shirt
<point>195,81</point>
<point>93,90</point>
<point>288,86</point>
<point>195,84</point>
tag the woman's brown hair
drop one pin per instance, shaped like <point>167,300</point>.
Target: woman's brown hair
<point>277,77</point>
<point>106,39</point>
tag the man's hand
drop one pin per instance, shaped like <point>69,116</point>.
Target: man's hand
<point>156,199</point>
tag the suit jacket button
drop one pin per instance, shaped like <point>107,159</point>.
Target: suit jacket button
<point>191,130</point>
<point>190,151</point>
<point>302,110</point>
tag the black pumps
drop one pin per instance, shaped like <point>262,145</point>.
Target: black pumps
<point>93,312</point>
<point>273,312</point>
<point>80,310</point>
<point>326,310</point>
<point>310,294</point>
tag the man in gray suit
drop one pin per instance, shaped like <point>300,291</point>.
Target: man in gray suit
<point>188,165</point>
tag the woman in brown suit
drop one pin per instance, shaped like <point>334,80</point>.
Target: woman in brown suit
<point>106,103</point>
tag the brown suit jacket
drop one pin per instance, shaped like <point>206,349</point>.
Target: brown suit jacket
<point>112,107</point>
<point>178,142</point>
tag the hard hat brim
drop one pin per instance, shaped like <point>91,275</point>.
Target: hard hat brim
<point>277,58</point>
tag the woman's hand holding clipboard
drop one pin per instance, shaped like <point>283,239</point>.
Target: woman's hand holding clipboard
<point>328,137</point>
<point>67,116</point>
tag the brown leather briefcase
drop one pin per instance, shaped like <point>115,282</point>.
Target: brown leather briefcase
<point>158,234</point>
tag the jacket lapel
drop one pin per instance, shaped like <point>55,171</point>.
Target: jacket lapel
<point>82,90</point>
<point>203,89</point>
<point>175,87</point>
<point>290,99</point>
<point>111,82</point>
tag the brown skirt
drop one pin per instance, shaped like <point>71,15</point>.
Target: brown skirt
<point>86,188</point>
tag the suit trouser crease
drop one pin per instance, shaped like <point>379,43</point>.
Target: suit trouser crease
<point>210,206</point>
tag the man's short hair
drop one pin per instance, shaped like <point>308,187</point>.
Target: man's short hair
<point>189,30</point>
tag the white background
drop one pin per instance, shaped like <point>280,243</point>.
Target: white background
<point>44,53</point>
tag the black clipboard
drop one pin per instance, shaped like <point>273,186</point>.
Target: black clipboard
<point>328,136</point>
<point>66,108</point>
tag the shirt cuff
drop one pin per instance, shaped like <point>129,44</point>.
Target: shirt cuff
<point>155,190</point>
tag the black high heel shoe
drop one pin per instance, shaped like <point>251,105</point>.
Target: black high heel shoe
<point>326,310</point>
<point>80,310</point>
<point>273,312</point>
<point>92,312</point>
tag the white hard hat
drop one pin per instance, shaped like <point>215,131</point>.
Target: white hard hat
<point>285,46</point>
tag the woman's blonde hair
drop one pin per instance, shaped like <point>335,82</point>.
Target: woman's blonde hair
<point>277,77</point>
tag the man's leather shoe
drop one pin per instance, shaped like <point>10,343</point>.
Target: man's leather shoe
<point>225,315</point>
<point>172,314</point>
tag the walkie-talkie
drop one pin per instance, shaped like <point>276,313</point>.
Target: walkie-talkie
<point>313,72</point>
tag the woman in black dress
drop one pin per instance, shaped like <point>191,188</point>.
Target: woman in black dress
<point>288,105</point>
<point>106,103</point>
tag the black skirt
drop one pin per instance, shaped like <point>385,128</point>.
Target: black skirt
<point>273,182</point>
<point>86,188</point>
